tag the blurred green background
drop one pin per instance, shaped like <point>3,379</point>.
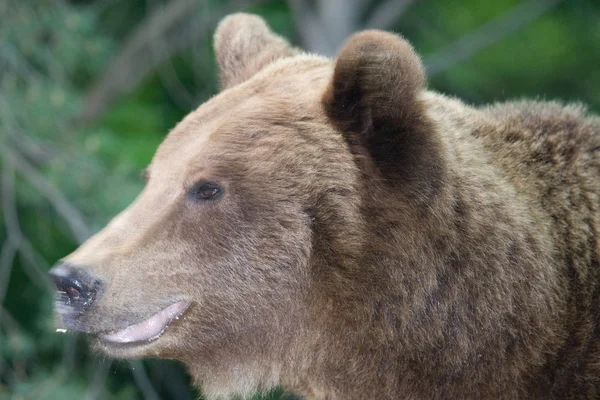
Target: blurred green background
<point>89,88</point>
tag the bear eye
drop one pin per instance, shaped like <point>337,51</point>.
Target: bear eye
<point>203,191</point>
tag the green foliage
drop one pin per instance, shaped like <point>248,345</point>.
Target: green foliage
<point>51,55</point>
<point>46,56</point>
<point>553,57</point>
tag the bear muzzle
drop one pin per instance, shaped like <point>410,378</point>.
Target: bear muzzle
<point>77,290</point>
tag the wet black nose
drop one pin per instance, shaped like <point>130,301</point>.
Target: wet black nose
<point>76,288</point>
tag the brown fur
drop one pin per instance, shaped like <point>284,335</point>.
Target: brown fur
<point>374,240</point>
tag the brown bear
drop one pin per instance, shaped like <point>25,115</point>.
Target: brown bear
<point>335,228</point>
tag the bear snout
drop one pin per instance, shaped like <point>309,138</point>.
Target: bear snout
<point>76,288</point>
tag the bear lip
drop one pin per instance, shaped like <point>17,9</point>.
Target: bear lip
<point>149,329</point>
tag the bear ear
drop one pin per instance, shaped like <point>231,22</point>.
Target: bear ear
<point>244,45</point>
<point>373,99</point>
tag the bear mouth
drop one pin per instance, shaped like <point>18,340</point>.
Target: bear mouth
<point>149,329</point>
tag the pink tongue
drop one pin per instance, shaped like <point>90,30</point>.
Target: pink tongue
<point>149,329</point>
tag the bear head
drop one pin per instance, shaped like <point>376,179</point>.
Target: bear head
<point>254,219</point>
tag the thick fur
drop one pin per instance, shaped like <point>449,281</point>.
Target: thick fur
<point>241,55</point>
<point>375,240</point>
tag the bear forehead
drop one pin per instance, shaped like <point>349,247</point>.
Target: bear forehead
<point>287,92</point>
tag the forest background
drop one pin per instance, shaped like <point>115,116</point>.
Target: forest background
<point>89,88</point>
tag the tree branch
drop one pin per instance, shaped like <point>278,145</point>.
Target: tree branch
<point>339,19</point>
<point>135,61</point>
<point>142,380</point>
<point>98,386</point>
<point>62,206</point>
<point>7,256</point>
<point>132,63</point>
<point>486,35</point>
<point>31,267</point>
<point>386,14</point>
<point>308,25</point>
<point>166,72</point>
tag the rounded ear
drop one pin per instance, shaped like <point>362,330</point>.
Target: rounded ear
<point>244,45</point>
<point>376,81</point>
<point>373,99</point>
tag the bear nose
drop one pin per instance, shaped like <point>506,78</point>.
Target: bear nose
<point>75,287</point>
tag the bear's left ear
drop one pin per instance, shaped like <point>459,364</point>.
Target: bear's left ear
<point>244,45</point>
<point>373,98</point>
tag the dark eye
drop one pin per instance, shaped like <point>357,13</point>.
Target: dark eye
<point>203,191</point>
